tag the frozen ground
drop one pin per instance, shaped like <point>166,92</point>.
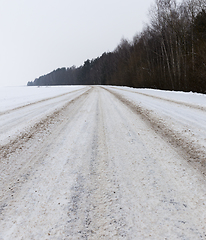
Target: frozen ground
<point>103,163</point>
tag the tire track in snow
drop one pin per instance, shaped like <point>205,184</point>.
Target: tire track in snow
<point>41,133</point>
<point>186,147</point>
<point>95,211</point>
<point>103,174</point>
<point>167,100</point>
<point>37,102</point>
<point>42,125</point>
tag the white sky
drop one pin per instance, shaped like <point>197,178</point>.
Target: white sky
<point>38,36</point>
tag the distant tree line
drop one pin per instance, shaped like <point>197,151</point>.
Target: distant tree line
<point>170,53</point>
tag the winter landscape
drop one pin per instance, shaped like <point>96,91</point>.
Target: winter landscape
<point>103,120</point>
<point>102,162</point>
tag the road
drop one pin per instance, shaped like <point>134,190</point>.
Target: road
<point>103,163</point>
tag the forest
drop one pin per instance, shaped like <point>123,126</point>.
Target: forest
<point>169,53</point>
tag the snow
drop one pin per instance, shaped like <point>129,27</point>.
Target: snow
<point>23,107</point>
<point>13,97</point>
<point>182,115</point>
<point>102,163</point>
<point>184,97</point>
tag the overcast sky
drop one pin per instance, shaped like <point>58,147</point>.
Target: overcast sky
<point>38,36</point>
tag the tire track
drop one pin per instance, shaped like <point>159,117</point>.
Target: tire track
<point>42,126</point>
<point>168,100</point>
<point>34,103</point>
<point>19,157</point>
<point>186,147</point>
<point>101,172</point>
<point>95,210</point>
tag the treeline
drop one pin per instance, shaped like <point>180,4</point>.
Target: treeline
<point>92,72</point>
<point>170,53</point>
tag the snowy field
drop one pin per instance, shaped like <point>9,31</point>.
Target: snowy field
<point>13,97</point>
<point>102,162</point>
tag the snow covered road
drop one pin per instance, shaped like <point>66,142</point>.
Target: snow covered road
<point>104,163</point>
